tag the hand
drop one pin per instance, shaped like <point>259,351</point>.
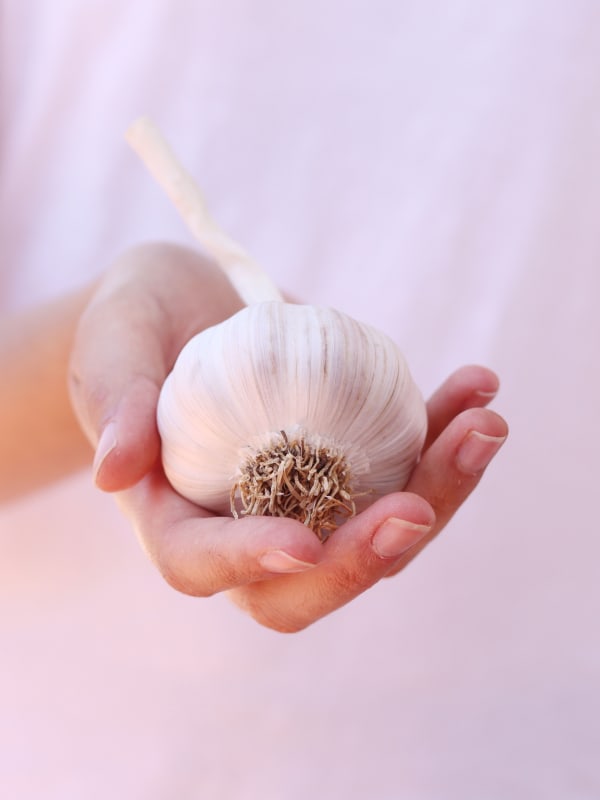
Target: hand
<point>150,304</point>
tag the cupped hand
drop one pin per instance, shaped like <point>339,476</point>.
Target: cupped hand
<point>150,303</point>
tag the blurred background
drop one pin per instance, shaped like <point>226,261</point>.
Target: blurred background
<point>433,169</point>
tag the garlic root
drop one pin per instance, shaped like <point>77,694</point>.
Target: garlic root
<point>296,480</point>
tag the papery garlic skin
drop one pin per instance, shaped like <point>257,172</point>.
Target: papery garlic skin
<point>276,367</point>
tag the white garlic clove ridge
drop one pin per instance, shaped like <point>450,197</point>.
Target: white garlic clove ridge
<point>276,367</point>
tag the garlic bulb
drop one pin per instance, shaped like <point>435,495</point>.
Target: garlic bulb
<point>275,386</point>
<point>282,409</point>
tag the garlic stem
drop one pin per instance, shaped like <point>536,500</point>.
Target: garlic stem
<point>248,279</point>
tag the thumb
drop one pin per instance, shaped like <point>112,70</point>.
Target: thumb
<point>153,299</point>
<point>128,444</point>
<point>116,371</point>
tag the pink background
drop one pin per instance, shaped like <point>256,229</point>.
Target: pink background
<point>433,169</point>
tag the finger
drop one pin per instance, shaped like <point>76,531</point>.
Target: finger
<point>115,376</point>
<point>200,554</point>
<point>355,557</point>
<point>453,466</point>
<point>152,301</point>
<point>468,387</point>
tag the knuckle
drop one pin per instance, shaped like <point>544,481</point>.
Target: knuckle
<point>179,578</point>
<point>220,571</point>
<point>266,612</point>
<point>446,498</point>
<point>348,580</point>
<point>204,575</point>
<point>280,625</point>
<point>184,584</point>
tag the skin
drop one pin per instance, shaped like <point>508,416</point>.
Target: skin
<point>116,342</point>
<point>40,438</point>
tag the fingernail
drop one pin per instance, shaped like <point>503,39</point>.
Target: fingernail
<point>280,561</point>
<point>487,395</point>
<point>476,451</point>
<point>395,536</point>
<point>106,444</point>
